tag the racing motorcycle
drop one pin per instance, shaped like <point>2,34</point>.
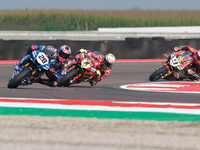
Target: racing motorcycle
<point>31,67</point>
<point>177,62</point>
<point>80,69</point>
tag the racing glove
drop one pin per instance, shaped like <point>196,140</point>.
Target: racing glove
<point>98,74</point>
<point>82,50</point>
<point>31,48</point>
<point>177,48</point>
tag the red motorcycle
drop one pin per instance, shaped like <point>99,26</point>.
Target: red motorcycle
<point>177,62</point>
<point>80,69</point>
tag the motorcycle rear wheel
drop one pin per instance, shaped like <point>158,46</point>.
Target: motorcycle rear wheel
<point>14,83</point>
<point>158,73</point>
<point>66,78</point>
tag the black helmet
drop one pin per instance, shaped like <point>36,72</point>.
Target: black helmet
<point>50,51</point>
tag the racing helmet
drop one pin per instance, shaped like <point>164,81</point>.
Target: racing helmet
<point>198,55</point>
<point>64,52</point>
<point>109,60</point>
<point>50,51</point>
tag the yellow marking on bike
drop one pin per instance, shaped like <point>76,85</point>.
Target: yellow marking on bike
<point>78,76</point>
<point>86,63</point>
<point>27,64</point>
<point>181,58</point>
<point>34,71</point>
<point>169,72</point>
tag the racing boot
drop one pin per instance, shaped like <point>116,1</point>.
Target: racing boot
<point>193,74</point>
<point>26,82</point>
<point>48,82</point>
<point>51,84</point>
<point>93,83</point>
<point>179,75</point>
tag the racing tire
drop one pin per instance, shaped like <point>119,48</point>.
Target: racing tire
<point>66,78</point>
<point>158,73</point>
<point>14,83</point>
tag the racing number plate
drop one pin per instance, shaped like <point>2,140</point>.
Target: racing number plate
<point>85,64</point>
<point>42,59</point>
<point>176,63</point>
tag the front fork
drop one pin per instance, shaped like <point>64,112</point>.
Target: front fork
<point>30,78</point>
<point>169,70</point>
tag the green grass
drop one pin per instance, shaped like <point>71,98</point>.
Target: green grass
<point>73,20</point>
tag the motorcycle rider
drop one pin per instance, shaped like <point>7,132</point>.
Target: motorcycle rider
<point>196,59</point>
<point>102,64</point>
<point>56,69</point>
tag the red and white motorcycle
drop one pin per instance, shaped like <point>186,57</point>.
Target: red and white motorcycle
<point>177,62</point>
<point>80,69</point>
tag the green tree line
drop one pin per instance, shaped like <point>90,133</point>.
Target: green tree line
<point>80,20</point>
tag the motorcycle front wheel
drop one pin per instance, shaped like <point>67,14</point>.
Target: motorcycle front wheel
<point>14,83</point>
<point>158,73</point>
<point>66,78</point>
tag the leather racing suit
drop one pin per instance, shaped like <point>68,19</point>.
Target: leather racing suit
<point>196,60</point>
<point>54,73</point>
<point>101,70</point>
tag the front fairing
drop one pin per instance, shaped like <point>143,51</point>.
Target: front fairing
<point>37,62</point>
<point>86,70</point>
<point>177,62</point>
<point>42,60</point>
<point>181,59</point>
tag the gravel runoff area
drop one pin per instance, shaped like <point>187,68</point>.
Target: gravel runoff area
<point>53,133</point>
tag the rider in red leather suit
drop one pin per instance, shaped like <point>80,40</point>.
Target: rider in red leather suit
<point>103,64</point>
<point>196,60</point>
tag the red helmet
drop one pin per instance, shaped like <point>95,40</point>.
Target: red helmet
<point>64,52</point>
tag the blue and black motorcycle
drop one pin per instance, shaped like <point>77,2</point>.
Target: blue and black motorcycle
<point>31,67</point>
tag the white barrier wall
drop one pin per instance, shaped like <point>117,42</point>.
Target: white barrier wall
<point>182,29</point>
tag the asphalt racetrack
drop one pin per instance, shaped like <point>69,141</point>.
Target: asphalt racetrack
<point>108,89</point>
<point>22,132</point>
<point>35,132</point>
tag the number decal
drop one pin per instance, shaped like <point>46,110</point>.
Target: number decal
<point>85,64</point>
<point>42,59</point>
<point>175,62</point>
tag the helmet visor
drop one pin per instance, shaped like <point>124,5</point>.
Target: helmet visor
<point>64,55</point>
<point>107,64</point>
